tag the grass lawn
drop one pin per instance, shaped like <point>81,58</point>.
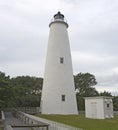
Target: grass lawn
<point>81,122</point>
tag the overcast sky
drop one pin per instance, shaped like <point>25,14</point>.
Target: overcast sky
<point>93,34</point>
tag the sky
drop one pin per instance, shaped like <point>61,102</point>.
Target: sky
<point>93,35</point>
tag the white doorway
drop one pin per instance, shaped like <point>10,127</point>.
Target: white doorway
<point>94,109</point>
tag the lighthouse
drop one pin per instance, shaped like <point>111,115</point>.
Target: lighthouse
<point>58,93</point>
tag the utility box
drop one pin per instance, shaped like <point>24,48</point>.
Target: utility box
<point>98,107</point>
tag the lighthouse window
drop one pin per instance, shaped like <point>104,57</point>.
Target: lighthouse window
<point>107,105</point>
<point>61,60</point>
<point>63,97</point>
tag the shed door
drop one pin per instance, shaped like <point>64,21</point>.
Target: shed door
<point>94,110</point>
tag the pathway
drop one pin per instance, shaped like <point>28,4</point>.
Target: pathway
<point>11,120</point>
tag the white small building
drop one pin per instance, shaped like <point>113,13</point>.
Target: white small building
<point>99,107</point>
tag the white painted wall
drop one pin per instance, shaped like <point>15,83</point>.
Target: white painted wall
<point>108,110</point>
<point>96,107</point>
<point>58,78</point>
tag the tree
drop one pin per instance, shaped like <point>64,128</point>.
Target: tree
<point>28,90</point>
<point>84,83</point>
<point>20,91</point>
<point>115,103</point>
<point>6,91</point>
<point>105,93</point>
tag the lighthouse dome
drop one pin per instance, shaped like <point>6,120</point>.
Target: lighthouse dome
<point>59,16</point>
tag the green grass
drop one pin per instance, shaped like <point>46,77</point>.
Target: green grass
<point>81,122</point>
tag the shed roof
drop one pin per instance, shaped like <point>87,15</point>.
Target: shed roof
<point>98,97</point>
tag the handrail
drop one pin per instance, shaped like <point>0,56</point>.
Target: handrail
<point>3,115</point>
<point>8,127</point>
<point>2,120</point>
<point>30,121</point>
<point>52,124</point>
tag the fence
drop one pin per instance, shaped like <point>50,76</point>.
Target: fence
<point>58,126</point>
<point>115,112</point>
<point>30,110</point>
<point>30,122</point>
<point>52,124</point>
<point>32,127</point>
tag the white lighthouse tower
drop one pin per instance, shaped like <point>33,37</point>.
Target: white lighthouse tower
<point>58,95</point>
